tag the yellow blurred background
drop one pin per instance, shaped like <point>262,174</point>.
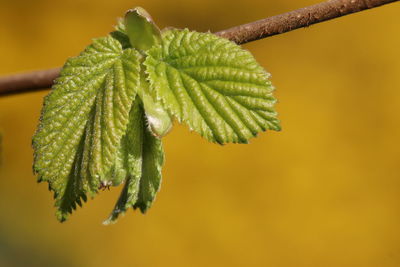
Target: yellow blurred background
<point>323,192</point>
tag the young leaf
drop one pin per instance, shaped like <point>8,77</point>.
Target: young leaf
<point>152,161</point>
<point>143,33</point>
<point>101,124</point>
<point>130,155</point>
<point>213,85</point>
<point>83,120</point>
<point>142,158</point>
<point>113,104</point>
<point>158,120</point>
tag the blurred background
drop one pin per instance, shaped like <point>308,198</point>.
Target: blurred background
<point>323,192</point>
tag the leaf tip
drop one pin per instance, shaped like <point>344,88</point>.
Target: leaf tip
<point>62,216</point>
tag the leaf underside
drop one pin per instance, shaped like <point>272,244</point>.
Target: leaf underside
<point>212,85</point>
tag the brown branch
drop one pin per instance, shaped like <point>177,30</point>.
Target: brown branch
<point>28,82</point>
<point>299,18</point>
<point>241,34</point>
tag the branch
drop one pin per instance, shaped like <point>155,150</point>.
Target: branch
<point>28,82</point>
<point>299,18</point>
<point>304,17</point>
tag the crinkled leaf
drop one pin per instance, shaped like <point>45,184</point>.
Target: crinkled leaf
<point>113,105</point>
<point>152,161</point>
<point>130,157</point>
<point>158,120</point>
<point>83,120</point>
<point>213,85</point>
<point>142,157</point>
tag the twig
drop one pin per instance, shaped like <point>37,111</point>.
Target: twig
<point>28,82</point>
<point>304,17</point>
<point>299,18</point>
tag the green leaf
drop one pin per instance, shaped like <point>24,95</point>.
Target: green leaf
<point>130,158</point>
<point>158,120</point>
<point>122,38</point>
<point>142,157</point>
<point>143,33</point>
<point>83,120</point>
<point>153,159</point>
<point>213,85</point>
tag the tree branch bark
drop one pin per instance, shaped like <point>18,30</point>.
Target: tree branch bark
<point>299,18</point>
<point>304,17</point>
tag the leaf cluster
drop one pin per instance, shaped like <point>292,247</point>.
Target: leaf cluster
<point>102,123</point>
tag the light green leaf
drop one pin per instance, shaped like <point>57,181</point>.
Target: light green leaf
<point>113,104</point>
<point>152,161</point>
<point>158,120</point>
<point>142,157</point>
<point>142,31</point>
<point>130,158</point>
<point>83,120</point>
<point>213,85</point>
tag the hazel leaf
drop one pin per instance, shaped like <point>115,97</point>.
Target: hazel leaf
<point>152,162</point>
<point>143,33</point>
<point>213,85</point>
<point>142,157</point>
<point>83,120</point>
<point>130,158</point>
